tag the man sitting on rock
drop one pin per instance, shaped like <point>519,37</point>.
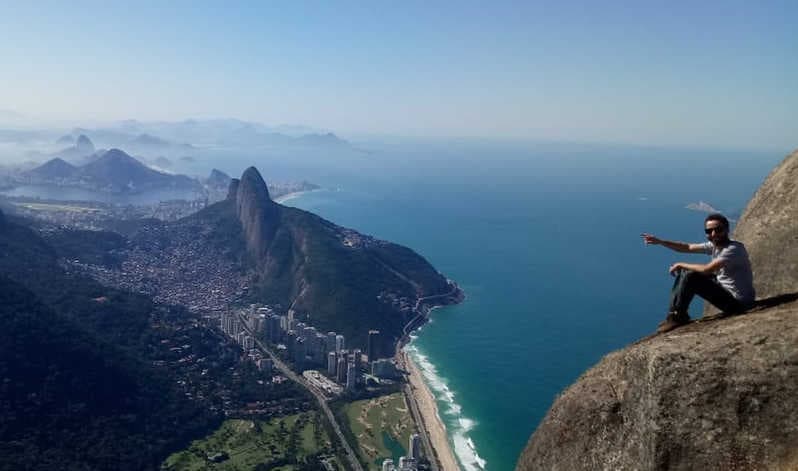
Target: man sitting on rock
<point>726,281</point>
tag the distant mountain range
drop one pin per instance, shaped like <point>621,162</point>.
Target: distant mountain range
<point>142,137</point>
<point>81,149</point>
<point>112,171</point>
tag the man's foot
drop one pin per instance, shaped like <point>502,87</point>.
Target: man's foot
<point>672,321</point>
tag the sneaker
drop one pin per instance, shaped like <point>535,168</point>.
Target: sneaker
<point>672,321</point>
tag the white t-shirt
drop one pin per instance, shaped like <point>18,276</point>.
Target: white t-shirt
<point>735,276</point>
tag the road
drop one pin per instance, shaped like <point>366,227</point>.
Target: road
<point>354,463</point>
<point>401,363</point>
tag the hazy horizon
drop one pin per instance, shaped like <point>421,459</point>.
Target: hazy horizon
<point>714,74</point>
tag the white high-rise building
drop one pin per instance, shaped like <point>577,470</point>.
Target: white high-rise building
<point>339,343</point>
<point>387,465</point>
<point>403,464</point>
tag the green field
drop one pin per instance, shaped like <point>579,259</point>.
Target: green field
<point>285,444</point>
<point>382,427</point>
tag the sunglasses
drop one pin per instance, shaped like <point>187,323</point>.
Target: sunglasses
<point>718,229</point>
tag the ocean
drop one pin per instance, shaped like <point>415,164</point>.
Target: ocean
<point>545,241</point>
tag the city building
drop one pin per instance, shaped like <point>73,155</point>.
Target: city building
<point>387,465</point>
<point>321,383</point>
<point>384,368</point>
<point>332,364</point>
<point>351,377</point>
<point>357,357</point>
<point>340,372</point>
<point>414,447</point>
<point>339,343</point>
<point>330,343</point>
<point>373,345</point>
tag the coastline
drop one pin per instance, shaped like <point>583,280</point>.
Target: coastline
<point>431,423</point>
<point>294,194</point>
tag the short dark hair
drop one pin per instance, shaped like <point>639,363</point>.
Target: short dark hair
<point>718,217</point>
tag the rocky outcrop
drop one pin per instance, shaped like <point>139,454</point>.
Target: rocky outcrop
<point>259,215</point>
<point>218,179</point>
<point>769,229</point>
<point>718,394</point>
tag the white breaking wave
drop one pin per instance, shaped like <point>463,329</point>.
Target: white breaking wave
<point>457,425</point>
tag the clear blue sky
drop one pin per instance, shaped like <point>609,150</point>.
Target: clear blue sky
<point>697,72</point>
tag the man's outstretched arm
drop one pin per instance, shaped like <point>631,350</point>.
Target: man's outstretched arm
<point>683,247</point>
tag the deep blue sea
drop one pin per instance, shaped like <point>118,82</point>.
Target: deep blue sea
<point>545,241</point>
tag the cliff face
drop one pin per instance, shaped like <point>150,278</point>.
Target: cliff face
<point>717,394</point>
<point>769,229</point>
<point>258,214</point>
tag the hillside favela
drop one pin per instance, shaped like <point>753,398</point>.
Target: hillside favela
<point>446,236</point>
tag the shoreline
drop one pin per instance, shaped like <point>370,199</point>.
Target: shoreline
<point>294,194</point>
<point>431,423</point>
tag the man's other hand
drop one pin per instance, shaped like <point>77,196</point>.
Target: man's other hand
<point>650,239</point>
<point>675,268</point>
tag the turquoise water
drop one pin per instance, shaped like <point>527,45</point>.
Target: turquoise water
<point>546,244</point>
<point>396,449</point>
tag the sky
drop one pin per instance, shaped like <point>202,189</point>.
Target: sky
<point>709,73</point>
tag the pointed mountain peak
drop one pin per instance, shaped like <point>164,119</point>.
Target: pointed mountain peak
<point>252,183</point>
<point>84,144</point>
<point>218,179</point>
<point>53,168</point>
<point>117,155</point>
<point>258,214</point>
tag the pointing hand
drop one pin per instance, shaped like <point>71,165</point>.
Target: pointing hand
<point>650,239</point>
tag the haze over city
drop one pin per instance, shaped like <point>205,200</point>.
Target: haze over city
<point>676,73</point>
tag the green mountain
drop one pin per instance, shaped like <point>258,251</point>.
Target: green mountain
<point>75,393</point>
<point>92,377</point>
<point>335,278</point>
<point>71,401</point>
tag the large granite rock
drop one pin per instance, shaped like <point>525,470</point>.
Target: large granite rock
<point>331,277</point>
<point>259,215</point>
<point>720,395</point>
<point>769,229</point>
<point>714,395</point>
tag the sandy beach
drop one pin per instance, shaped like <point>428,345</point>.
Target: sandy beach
<point>426,405</point>
<point>288,196</point>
